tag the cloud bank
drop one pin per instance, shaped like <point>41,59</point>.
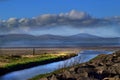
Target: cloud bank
<point>73,18</point>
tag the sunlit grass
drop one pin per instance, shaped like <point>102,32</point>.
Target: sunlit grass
<point>9,61</point>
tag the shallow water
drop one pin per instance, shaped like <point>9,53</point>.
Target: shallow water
<point>47,68</point>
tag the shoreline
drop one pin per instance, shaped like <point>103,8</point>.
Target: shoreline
<point>21,66</point>
<point>101,67</point>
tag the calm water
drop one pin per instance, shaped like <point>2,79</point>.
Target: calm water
<point>42,69</point>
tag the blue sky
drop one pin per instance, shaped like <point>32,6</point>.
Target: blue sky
<point>30,8</point>
<point>98,9</point>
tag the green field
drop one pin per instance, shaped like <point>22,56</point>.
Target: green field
<point>18,62</point>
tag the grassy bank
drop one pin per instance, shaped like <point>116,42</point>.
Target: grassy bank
<point>102,67</point>
<point>13,63</point>
<point>48,74</point>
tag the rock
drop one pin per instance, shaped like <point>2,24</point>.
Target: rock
<point>100,70</point>
<point>85,78</point>
<point>108,64</point>
<point>84,74</point>
<point>100,64</point>
<point>117,53</point>
<point>118,59</point>
<point>53,77</point>
<point>76,76</point>
<point>72,69</point>
<point>117,76</point>
<point>69,79</point>
<point>111,79</point>
<point>115,69</point>
<point>43,79</point>
<point>103,67</point>
<point>90,65</point>
<point>67,74</point>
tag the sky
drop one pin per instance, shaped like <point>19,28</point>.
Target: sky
<point>93,10</point>
<point>30,8</point>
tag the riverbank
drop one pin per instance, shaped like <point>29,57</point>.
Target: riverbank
<point>19,62</point>
<point>102,67</point>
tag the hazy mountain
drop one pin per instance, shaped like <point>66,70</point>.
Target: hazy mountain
<point>84,35</point>
<point>25,40</point>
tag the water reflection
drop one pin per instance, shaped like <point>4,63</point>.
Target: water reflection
<point>42,69</point>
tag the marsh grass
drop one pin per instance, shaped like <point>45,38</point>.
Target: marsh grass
<point>7,61</point>
<point>49,74</point>
<point>18,62</point>
<point>61,68</point>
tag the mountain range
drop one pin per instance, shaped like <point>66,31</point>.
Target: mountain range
<point>47,40</point>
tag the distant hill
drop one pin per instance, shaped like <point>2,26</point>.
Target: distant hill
<point>84,35</point>
<point>25,40</point>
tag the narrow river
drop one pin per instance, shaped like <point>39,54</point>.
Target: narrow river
<point>47,68</point>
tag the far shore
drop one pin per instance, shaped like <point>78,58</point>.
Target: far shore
<point>42,50</point>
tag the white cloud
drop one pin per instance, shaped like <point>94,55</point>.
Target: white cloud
<point>73,18</point>
<point>78,15</point>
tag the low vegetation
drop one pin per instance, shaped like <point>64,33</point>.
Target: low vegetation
<point>46,75</point>
<point>102,67</point>
<point>17,62</point>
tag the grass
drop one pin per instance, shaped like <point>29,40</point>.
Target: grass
<point>48,74</point>
<point>97,57</point>
<point>6,61</point>
<point>17,62</point>
<point>44,75</point>
<point>62,69</point>
<point>59,71</point>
